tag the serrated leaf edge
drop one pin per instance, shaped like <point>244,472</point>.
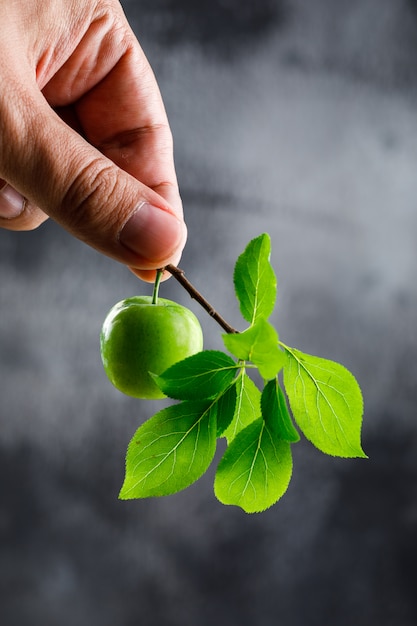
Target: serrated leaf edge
<point>320,393</point>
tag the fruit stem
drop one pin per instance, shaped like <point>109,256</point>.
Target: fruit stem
<point>179,275</point>
<point>156,286</point>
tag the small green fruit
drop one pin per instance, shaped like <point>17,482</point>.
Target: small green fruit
<point>139,337</point>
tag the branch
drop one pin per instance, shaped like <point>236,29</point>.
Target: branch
<point>179,275</point>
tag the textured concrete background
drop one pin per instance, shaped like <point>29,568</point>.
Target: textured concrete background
<point>300,119</point>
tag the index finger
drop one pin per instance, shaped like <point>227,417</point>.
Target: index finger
<point>118,106</point>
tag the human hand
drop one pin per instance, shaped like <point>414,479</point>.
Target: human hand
<point>84,136</point>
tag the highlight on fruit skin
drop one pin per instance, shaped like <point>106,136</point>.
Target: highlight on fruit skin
<point>139,337</point>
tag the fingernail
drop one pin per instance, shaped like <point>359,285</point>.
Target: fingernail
<point>152,233</point>
<point>11,202</point>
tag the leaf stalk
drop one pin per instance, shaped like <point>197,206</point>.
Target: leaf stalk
<point>179,275</point>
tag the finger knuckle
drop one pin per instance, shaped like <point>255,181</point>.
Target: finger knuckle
<point>93,189</point>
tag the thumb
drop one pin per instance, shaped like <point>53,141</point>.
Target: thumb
<point>63,176</point>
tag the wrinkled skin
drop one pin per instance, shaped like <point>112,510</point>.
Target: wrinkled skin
<point>84,136</point>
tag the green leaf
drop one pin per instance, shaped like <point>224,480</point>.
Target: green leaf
<point>225,406</point>
<point>326,403</point>
<point>203,375</point>
<point>247,407</point>
<point>255,470</point>
<point>275,412</point>
<point>255,281</point>
<point>258,344</point>
<point>170,451</point>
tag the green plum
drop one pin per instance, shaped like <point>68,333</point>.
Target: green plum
<point>139,337</point>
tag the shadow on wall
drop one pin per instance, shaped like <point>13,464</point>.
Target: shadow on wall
<point>221,27</point>
<point>365,39</point>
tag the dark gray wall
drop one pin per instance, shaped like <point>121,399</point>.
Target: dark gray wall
<point>300,119</point>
